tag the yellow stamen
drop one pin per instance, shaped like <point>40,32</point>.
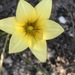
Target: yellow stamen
<point>30,28</point>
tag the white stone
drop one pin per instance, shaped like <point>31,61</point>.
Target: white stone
<point>69,74</point>
<point>53,73</point>
<point>15,72</point>
<point>8,60</point>
<point>62,19</point>
<point>71,35</point>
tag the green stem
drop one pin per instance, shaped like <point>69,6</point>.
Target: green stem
<point>36,67</point>
<point>2,55</point>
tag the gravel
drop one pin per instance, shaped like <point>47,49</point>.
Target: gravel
<point>61,50</point>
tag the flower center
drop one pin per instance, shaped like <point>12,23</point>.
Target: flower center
<point>33,31</point>
<point>30,28</point>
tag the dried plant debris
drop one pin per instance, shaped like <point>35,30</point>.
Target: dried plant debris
<point>61,50</point>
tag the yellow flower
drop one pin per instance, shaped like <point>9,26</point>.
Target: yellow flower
<point>31,28</point>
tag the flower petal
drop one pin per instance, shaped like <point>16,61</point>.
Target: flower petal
<point>18,42</point>
<point>51,29</point>
<point>43,9</point>
<point>8,24</point>
<point>39,49</point>
<point>25,12</point>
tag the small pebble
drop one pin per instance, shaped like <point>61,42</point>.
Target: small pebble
<point>62,19</point>
<point>39,73</point>
<point>71,35</point>
<point>8,60</point>
<point>21,72</point>
<point>15,72</point>
<point>54,73</point>
<point>24,55</point>
<point>69,74</point>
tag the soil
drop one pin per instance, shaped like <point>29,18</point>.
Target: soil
<point>61,50</point>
